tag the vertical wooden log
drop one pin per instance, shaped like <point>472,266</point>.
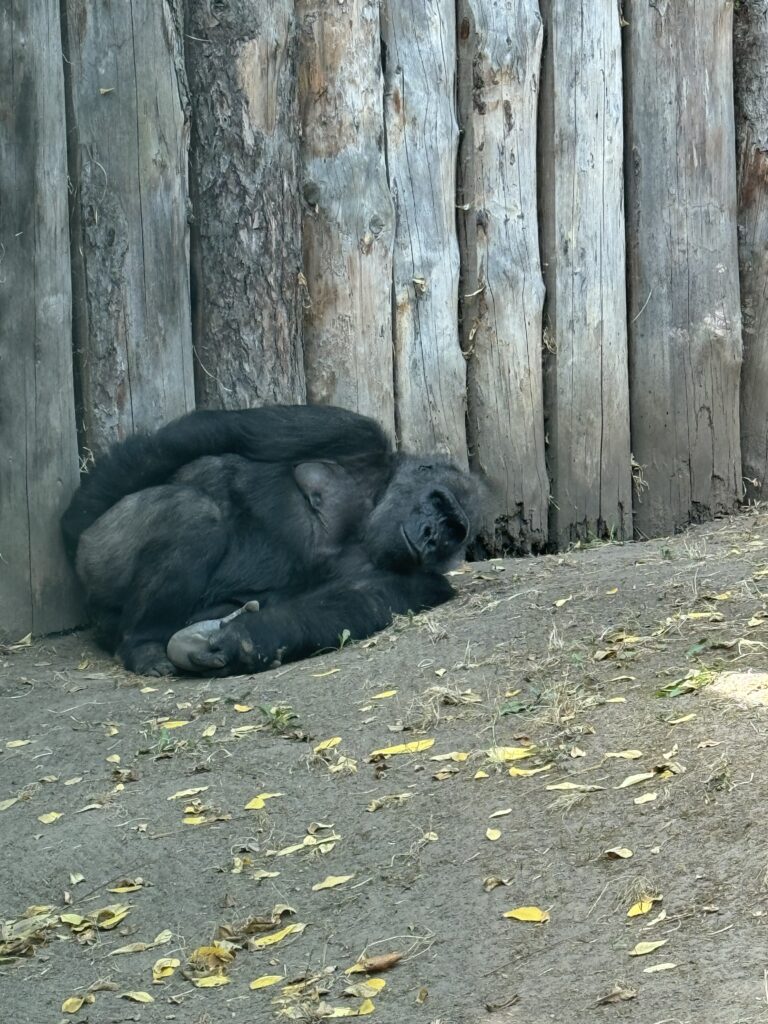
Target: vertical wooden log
<point>419,37</point>
<point>685,322</point>
<point>241,60</point>
<point>38,467</point>
<point>128,145</point>
<point>502,292</point>
<point>582,213</point>
<point>750,39</point>
<point>348,222</point>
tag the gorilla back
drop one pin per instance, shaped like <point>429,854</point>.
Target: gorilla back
<point>304,509</point>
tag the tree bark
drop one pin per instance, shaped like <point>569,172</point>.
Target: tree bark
<point>128,146</point>
<point>39,466</point>
<point>583,250</point>
<point>751,81</point>
<point>422,135</point>
<point>348,222</point>
<point>241,60</point>
<point>685,322</point>
<point>502,292</point>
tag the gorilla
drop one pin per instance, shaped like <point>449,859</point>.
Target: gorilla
<point>232,541</point>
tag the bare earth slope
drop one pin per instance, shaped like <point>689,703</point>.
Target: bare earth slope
<point>559,659</point>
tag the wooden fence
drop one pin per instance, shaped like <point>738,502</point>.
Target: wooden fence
<point>521,232</point>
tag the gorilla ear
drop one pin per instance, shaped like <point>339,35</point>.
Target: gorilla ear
<point>452,514</point>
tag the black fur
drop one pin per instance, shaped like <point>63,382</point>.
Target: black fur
<point>305,509</point>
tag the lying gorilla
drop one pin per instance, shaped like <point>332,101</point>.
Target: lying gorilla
<point>303,509</point>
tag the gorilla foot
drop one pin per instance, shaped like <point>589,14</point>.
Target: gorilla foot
<point>147,659</point>
<point>194,648</point>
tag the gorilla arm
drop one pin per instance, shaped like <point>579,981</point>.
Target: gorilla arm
<point>272,434</point>
<point>312,622</point>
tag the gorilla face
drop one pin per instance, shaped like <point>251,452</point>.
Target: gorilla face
<point>423,519</point>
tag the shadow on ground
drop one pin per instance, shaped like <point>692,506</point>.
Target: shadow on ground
<point>125,817</point>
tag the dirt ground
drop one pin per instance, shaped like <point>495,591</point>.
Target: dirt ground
<point>551,666</point>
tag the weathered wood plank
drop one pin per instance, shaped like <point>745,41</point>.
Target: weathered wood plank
<point>502,292</point>
<point>751,81</point>
<point>39,466</point>
<point>685,322</point>
<point>348,223</point>
<point>241,59</point>
<point>583,251</point>
<point>422,136</point>
<point>128,147</point>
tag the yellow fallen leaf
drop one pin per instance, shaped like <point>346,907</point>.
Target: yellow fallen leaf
<point>5,804</point>
<point>148,689</point>
<point>453,755</point>
<point>175,724</point>
<point>634,780</point>
<point>415,747</point>
<point>502,813</point>
<point>49,818</point>
<point>266,980</point>
<point>128,885</point>
<point>655,968</point>
<point>107,918</point>
<point>627,755</point>
<point>211,981</point>
<point>646,798</point>
<point>563,600</point>
<point>523,773</point>
<point>366,989</point>
<point>113,759</point>
<point>574,786</point>
<point>331,881</point>
<point>502,754</point>
<point>384,695</point>
<point>12,744</point>
<point>334,741</point>
<point>322,675</point>
<point>533,914</point>
<point>618,853</point>
<point>194,819</point>
<point>512,693</point>
<point>257,803</point>
<point>642,906</point>
<point>493,834</point>
<point>73,781</point>
<point>684,718</point>
<point>208,731</point>
<point>615,700</point>
<point>242,708</point>
<point>613,590</point>
<point>372,964</point>
<point>480,774</point>
<point>362,1010</point>
<point>164,967</point>
<point>182,793</point>
<point>162,937</point>
<point>275,937</point>
<point>137,997</point>
<point>644,948</point>
<point>577,752</point>
<point>259,875</point>
<point>73,1004</point>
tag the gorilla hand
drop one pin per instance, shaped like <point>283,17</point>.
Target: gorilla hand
<point>193,647</point>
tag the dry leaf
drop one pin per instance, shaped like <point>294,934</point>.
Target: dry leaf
<point>13,744</point>
<point>522,773</point>
<point>5,804</point>
<point>266,980</point>
<point>375,964</point>
<point>504,754</point>
<point>627,755</point>
<point>164,967</point>
<point>634,780</point>
<point>257,803</point>
<point>646,798</point>
<point>655,968</point>
<point>137,997</point>
<point>493,834</point>
<point>49,818</point>
<point>642,906</point>
<point>501,814</point>
<point>618,853</point>
<point>617,995</point>
<point>577,786</point>
<point>242,708</point>
<point>334,741</point>
<point>182,793</point>
<point>644,948</point>
<point>331,881</point>
<point>383,695</point>
<point>533,914</point>
<point>211,981</point>
<point>366,989</point>
<point>415,747</point>
<point>480,774</point>
<point>275,937</point>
